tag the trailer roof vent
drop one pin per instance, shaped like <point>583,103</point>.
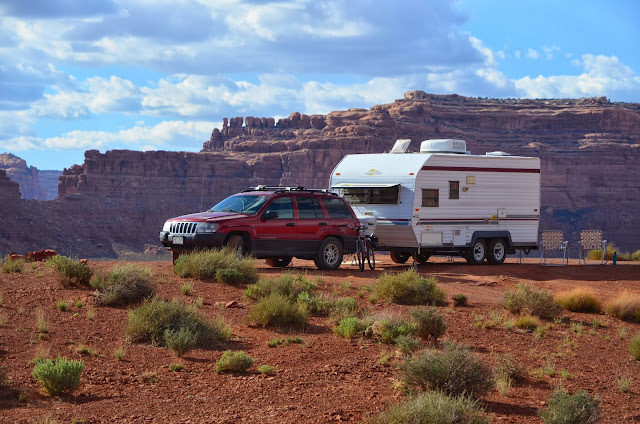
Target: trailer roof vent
<point>444,146</point>
<point>497,154</point>
<point>400,146</point>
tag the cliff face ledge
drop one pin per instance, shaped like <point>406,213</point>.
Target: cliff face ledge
<point>28,177</point>
<point>589,149</point>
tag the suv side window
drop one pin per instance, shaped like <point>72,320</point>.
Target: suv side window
<point>337,208</point>
<point>283,206</point>
<point>309,208</point>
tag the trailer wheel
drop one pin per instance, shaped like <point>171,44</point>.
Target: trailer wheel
<point>422,258</point>
<point>477,253</point>
<point>329,255</point>
<point>278,262</point>
<point>497,251</point>
<point>399,257</point>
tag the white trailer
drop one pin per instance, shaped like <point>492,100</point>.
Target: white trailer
<point>444,200</point>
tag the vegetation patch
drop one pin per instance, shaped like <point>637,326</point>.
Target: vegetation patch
<point>70,271</point>
<point>408,288</point>
<point>459,299</point>
<point>453,371</point>
<point>563,408</point>
<point>579,299</point>
<point>13,266</point>
<point>349,327</point>
<point>524,299</point>
<point>233,361</point>
<point>429,323</point>
<point>434,407</point>
<point>217,265</point>
<point>59,375</point>
<point>289,285</point>
<point>149,323</point>
<point>527,322</point>
<point>126,284</point>
<point>388,329</point>
<point>634,347</point>
<point>277,310</point>
<point>625,307</point>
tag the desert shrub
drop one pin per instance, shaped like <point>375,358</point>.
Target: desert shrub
<point>634,346</point>
<point>233,361</point>
<point>596,254</point>
<point>59,375</point>
<point>266,369</point>
<point>216,265</point>
<point>433,408</point>
<point>429,323</point>
<point>349,327</point>
<point>408,288</point>
<point>70,271</point>
<point>625,307</point>
<point>180,341</point>
<point>459,299</point>
<point>527,322</point>
<point>453,371</point>
<point>635,256</point>
<point>388,329</point>
<point>526,299</point>
<point>13,266</point>
<point>579,300</point>
<point>149,322</point>
<point>507,366</point>
<point>407,344</point>
<point>125,284</point>
<point>314,304</point>
<point>343,307</point>
<point>277,310</point>
<point>563,408</point>
<point>289,285</point>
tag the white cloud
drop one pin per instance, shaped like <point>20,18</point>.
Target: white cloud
<point>603,76</point>
<point>549,51</point>
<point>533,54</point>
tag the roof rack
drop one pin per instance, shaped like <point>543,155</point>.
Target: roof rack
<point>284,189</point>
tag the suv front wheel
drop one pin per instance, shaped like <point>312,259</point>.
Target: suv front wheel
<point>329,255</point>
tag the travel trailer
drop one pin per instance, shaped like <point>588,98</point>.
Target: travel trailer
<point>444,200</point>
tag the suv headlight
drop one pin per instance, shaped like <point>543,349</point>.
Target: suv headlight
<point>166,227</point>
<point>208,227</point>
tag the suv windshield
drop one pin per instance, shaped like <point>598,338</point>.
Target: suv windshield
<point>241,203</point>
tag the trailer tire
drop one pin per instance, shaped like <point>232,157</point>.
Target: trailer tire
<point>422,258</point>
<point>278,262</point>
<point>477,253</point>
<point>497,251</point>
<point>399,257</point>
<point>329,255</point>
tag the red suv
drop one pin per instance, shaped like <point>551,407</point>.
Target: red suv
<point>271,223</point>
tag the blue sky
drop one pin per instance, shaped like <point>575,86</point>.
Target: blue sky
<point>160,75</point>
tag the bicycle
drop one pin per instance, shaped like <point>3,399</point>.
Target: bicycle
<point>365,249</point>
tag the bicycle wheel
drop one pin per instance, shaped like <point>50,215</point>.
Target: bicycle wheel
<point>371,255</point>
<point>360,254</point>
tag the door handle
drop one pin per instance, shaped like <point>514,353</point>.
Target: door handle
<point>291,224</point>
<point>323,224</point>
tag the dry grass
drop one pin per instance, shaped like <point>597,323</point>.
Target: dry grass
<point>626,307</point>
<point>579,299</point>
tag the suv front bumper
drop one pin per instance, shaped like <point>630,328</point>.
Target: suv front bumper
<point>192,241</point>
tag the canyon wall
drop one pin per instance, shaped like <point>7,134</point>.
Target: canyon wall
<point>589,150</point>
<point>34,184</point>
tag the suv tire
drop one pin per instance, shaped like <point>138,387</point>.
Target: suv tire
<point>236,243</point>
<point>329,255</point>
<point>278,262</point>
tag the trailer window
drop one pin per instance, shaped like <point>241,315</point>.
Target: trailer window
<point>454,189</point>
<point>371,195</point>
<point>430,197</point>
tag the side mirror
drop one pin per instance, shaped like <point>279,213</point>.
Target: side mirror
<point>269,215</point>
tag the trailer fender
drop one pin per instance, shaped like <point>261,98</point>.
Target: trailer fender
<point>491,235</point>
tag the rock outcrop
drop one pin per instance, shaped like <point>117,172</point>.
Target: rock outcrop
<point>9,190</point>
<point>589,149</point>
<point>28,177</point>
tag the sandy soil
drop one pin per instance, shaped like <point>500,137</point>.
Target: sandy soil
<point>326,379</point>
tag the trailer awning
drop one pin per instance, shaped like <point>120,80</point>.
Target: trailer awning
<point>365,185</point>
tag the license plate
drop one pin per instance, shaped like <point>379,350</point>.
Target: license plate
<point>178,240</point>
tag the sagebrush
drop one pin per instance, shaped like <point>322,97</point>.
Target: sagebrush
<point>70,271</point>
<point>429,323</point>
<point>408,288</point>
<point>563,408</point>
<point>124,285</point>
<point>217,265</point>
<point>233,361</point>
<point>59,375</point>
<point>524,299</point>
<point>277,310</point>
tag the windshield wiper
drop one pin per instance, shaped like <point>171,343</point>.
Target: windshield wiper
<point>229,210</point>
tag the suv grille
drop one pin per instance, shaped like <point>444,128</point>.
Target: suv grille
<point>183,227</point>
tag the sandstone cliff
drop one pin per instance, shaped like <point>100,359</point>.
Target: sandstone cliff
<point>589,148</point>
<point>28,177</point>
<point>9,190</point>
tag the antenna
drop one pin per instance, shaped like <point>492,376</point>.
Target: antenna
<point>400,146</point>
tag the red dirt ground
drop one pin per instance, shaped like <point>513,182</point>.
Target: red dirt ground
<point>328,379</point>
